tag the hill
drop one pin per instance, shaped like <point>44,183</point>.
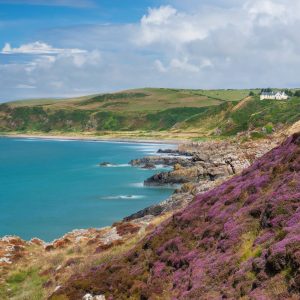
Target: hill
<point>148,112</point>
<point>240,240</point>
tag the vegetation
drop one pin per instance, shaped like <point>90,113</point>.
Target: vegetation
<point>202,112</point>
<point>239,240</point>
<point>23,284</point>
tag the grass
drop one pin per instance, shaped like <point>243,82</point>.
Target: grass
<point>144,112</point>
<point>24,284</point>
<point>246,250</point>
<point>228,95</point>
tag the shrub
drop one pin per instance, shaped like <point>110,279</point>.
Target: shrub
<point>269,128</point>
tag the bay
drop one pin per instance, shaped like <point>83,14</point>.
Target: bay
<point>51,187</point>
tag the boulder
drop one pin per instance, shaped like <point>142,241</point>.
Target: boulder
<point>149,165</point>
<point>91,297</point>
<point>105,164</point>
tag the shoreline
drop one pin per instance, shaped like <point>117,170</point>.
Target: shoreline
<point>94,138</point>
<point>83,138</point>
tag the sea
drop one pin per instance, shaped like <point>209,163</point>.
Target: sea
<point>51,187</point>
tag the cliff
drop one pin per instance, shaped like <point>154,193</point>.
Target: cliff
<point>239,240</point>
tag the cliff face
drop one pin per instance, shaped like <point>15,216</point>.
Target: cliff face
<point>241,239</point>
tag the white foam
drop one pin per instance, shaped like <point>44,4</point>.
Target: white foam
<point>127,197</point>
<point>118,166</point>
<point>43,140</point>
<point>137,184</point>
<point>115,165</point>
<point>163,167</point>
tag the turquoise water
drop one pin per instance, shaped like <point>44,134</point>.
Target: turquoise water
<point>50,187</point>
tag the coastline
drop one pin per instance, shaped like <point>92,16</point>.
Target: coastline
<point>82,138</point>
<point>94,138</point>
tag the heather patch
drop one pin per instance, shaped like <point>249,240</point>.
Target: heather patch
<point>239,240</point>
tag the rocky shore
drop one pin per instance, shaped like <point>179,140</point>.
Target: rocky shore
<point>196,168</point>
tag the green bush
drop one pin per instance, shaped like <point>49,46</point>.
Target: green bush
<point>269,128</point>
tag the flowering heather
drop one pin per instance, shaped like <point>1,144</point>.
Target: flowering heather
<point>239,240</point>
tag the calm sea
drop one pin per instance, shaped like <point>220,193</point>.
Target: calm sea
<point>50,187</point>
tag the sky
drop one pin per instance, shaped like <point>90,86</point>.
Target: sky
<point>67,48</point>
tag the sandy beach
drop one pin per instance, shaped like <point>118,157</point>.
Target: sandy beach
<point>94,138</point>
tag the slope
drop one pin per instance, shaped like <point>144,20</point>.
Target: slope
<point>240,240</point>
<point>191,113</point>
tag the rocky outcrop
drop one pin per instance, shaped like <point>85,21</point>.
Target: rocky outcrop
<point>161,160</point>
<point>206,165</point>
<point>174,152</point>
<point>12,248</point>
<point>180,199</point>
<point>149,166</point>
<point>210,161</point>
<point>91,297</point>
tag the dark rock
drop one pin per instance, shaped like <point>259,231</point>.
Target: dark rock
<point>105,164</point>
<point>149,166</point>
<point>175,152</point>
<point>160,160</point>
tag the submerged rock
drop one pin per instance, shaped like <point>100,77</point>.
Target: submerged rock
<point>105,164</point>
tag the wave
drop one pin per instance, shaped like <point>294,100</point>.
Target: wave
<point>43,140</point>
<point>150,149</point>
<point>157,168</point>
<point>117,165</point>
<point>137,184</point>
<point>122,197</point>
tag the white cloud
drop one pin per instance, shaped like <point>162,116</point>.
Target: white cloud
<point>94,57</point>
<point>183,65</point>
<point>25,86</point>
<point>266,7</point>
<point>166,25</point>
<point>160,66</point>
<point>199,44</point>
<point>38,48</point>
<point>159,16</point>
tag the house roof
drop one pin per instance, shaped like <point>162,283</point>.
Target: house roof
<point>264,93</point>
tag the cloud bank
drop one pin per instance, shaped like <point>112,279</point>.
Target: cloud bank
<point>218,44</point>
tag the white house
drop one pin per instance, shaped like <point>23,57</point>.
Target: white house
<point>280,95</point>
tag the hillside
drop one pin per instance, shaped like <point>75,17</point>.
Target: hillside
<point>191,113</point>
<point>237,241</point>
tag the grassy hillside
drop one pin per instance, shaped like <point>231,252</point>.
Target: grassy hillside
<point>201,112</point>
<point>249,114</point>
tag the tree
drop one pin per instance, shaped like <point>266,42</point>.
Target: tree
<point>297,93</point>
<point>268,90</point>
<point>289,92</point>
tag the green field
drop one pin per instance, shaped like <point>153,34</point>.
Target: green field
<point>201,112</point>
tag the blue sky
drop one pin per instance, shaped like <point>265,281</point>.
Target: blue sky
<point>65,48</point>
<point>28,19</point>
